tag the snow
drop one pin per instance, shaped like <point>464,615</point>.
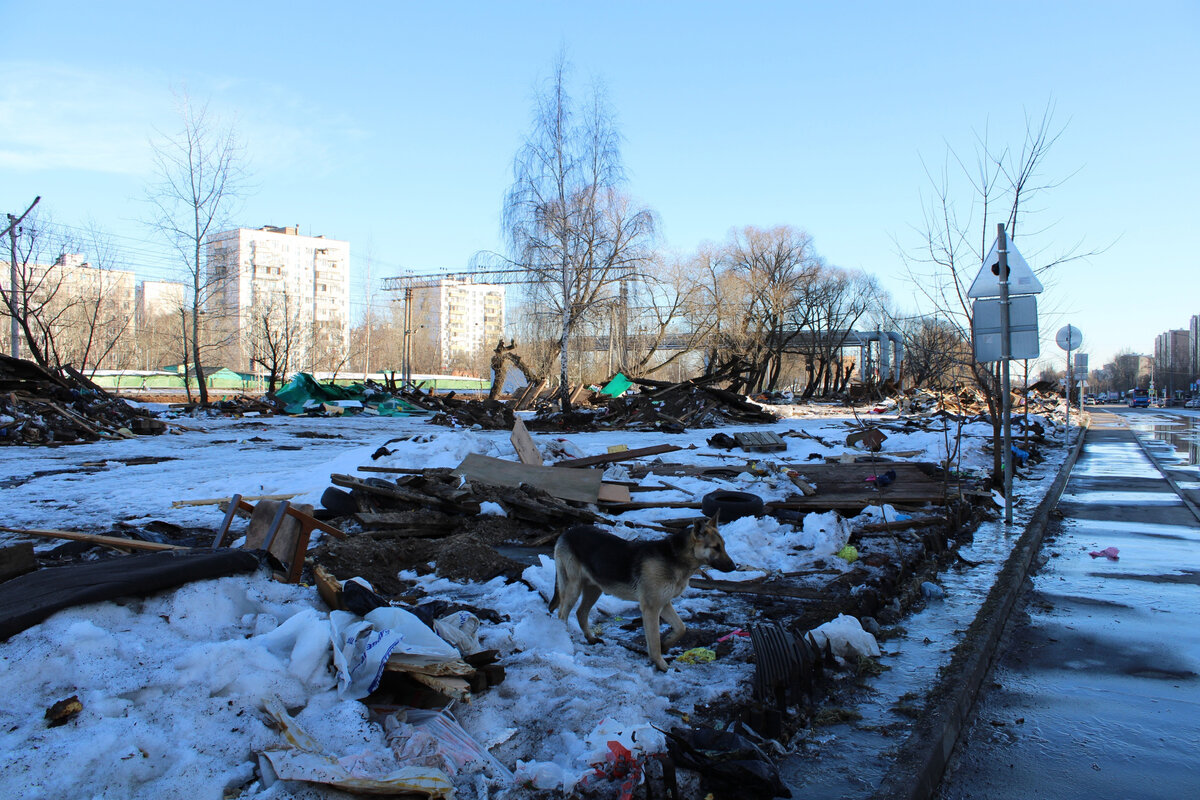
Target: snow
<point>173,686</point>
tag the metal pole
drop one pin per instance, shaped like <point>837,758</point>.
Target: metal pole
<point>1005,387</point>
<point>1070,380</point>
<point>12,286</point>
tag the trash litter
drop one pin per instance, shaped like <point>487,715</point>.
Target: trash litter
<point>849,554</point>
<point>697,655</point>
<point>880,481</point>
<point>434,738</point>
<point>931,591</point>
<point>733,633</point>
<point>63,711</point>
<point>303,759</point>
<point>362,646</point>
<point>620,765</point>
<point>1108,552</point>
<point>729,763</point>
<point>845,638</point>
<point>1019,456</point>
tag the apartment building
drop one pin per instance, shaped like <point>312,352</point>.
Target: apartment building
<point>458,323</point>
<point>83,314</point>
<point>278,288</point>
<point>1171,362</point>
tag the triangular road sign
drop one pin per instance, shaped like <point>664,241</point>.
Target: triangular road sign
<point>1021,279</point>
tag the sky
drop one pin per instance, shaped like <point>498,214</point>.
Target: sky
<point>394,126</point>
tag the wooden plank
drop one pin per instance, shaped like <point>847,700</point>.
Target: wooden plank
<point>613,493</point>
<point>107,541</point>
<point>760,441</point>
<point>623,455</point>
<point>213,501</point>
<point>328,588</point>
<point>580,485</point>
<point>455,688</point>
<point>527,451</point>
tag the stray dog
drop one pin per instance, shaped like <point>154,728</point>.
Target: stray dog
<point>589,561</point>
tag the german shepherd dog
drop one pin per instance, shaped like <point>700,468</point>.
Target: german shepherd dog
<point>589,561</point>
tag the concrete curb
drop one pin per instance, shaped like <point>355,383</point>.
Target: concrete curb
<point>922,759</point>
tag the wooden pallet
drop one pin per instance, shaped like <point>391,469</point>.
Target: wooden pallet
<point>760,441</point>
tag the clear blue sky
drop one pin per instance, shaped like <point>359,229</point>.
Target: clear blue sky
<point>394,125</point>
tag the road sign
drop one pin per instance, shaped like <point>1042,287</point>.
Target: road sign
<point>1021,279</point>
<point>1081,362</point>
<point>1069,337</point>
<point>988,337</point>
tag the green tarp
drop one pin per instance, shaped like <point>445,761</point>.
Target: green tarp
<point>303,393</point>
<point>617,386</point>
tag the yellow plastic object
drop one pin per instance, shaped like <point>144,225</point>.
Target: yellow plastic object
<point>697,655</point>
<point>849,554</point>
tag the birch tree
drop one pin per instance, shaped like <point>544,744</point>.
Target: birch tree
<point>566,217</point>
<point>201,175</point>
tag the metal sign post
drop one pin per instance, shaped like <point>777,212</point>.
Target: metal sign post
<point>1069,338</point>
<point>1001,267</point>
<point>1005,385</point>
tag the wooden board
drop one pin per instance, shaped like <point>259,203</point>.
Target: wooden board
<point>521,440</point>
<point>580,485</point>
<point>622,455</point>
<point>760,441</point>
<point>107,541</point>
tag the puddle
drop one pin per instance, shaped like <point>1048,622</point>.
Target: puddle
<point>1174,440</point>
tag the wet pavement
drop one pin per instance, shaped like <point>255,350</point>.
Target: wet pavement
<point>1097,691</point>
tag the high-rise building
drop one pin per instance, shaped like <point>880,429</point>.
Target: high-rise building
<point>282,297</point>
<point>84,313</point>
<point>1172,372</point>
<point>457,324</point>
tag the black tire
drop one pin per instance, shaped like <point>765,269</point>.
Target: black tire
<point>338,502</point>
<point>730,505</point>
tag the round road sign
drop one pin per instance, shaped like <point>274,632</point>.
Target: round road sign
<point>1069,337</point>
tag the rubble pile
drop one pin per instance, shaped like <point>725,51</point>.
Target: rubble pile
<point>40,407</point>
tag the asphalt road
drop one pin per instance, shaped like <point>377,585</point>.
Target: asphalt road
<point>1096,693</point>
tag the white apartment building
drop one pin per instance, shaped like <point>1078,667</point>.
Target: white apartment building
<point>275,278</point>
<point>460,323</point>
<point>86,312</point>
<point>156,299</point>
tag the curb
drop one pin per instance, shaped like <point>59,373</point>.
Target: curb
<point>922,759</point>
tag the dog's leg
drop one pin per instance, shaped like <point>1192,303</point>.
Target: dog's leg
<point>591,593</point>
<point>566,590</point>
<point>677,627</point>
<point>650,619</point>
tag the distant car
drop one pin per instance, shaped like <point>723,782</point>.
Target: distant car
<point>1193,403</point>
<point>1089,401</point>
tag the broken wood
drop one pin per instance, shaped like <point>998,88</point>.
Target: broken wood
<point>329,588</point>
<point>623,455</point>
<point>213,501</point>
<point>580,485</point>
<point>760,441</point>
<point>107,541</point>
<point>527,451</point>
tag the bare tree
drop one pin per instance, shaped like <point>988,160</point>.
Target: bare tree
<point>276,332</point>
<point>959,225</point>
<point>935,353</point>
<point>566,219</point>
<point>758,280</point>
<point>201,175</point>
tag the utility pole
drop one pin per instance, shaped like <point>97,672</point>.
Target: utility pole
<point>13,222</point>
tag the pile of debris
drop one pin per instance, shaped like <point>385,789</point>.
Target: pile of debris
<point>38,406</point>
<point>304,395</point>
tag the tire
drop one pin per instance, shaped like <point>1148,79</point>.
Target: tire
<point>729,505</point>
<point>338,502</point>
